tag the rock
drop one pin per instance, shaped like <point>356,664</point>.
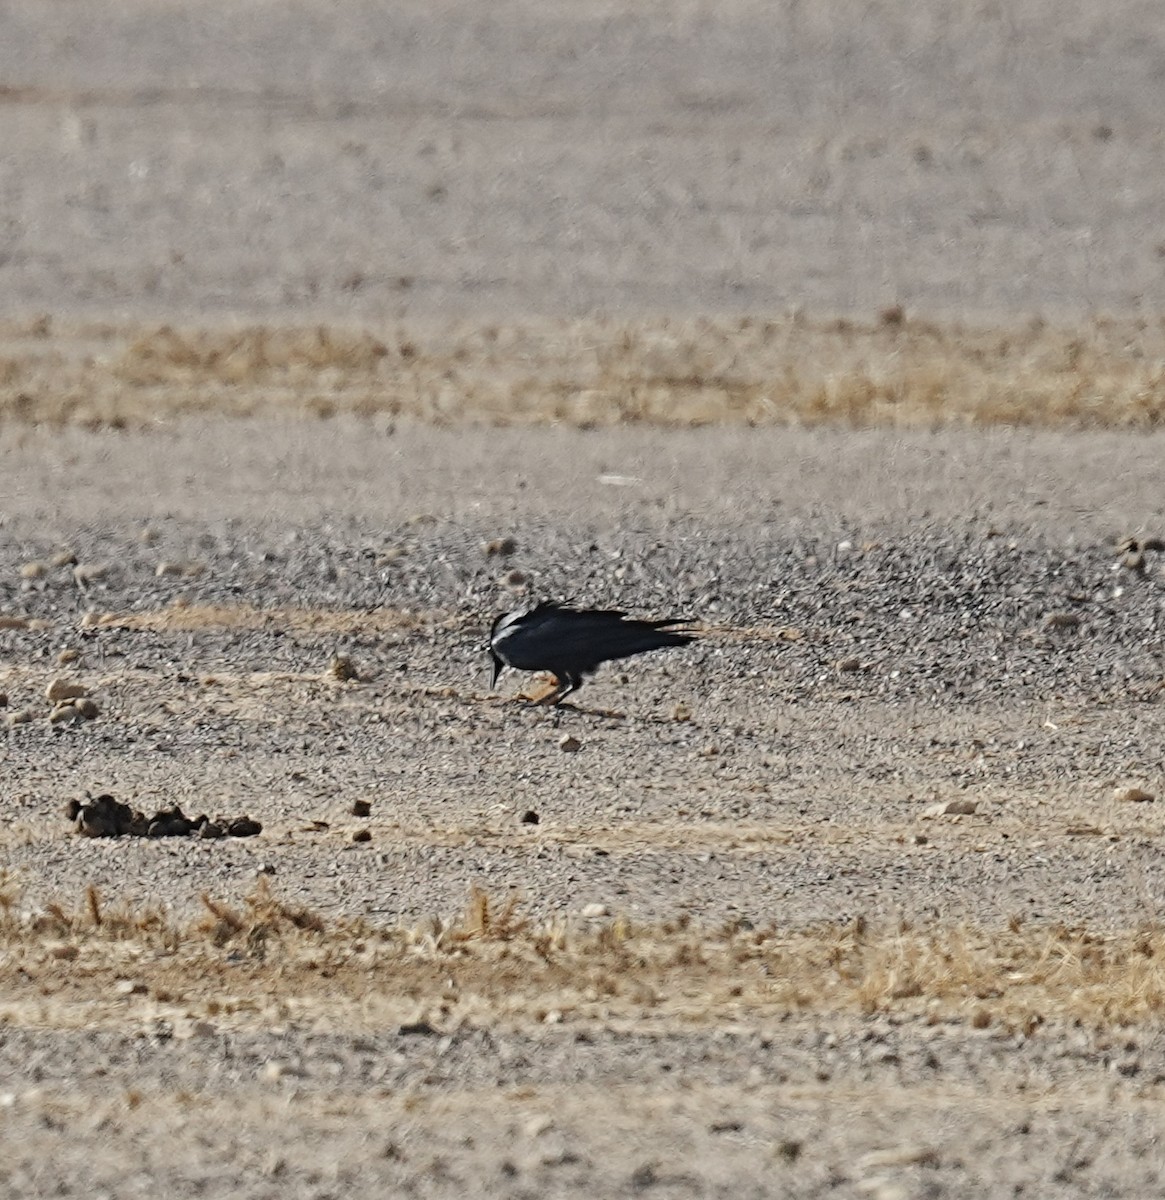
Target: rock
<point>87,573</point>
<point>362,835</point>
<point>65,714</point>
<point>7,622</point>
<point>169,823</point>
<point>681,712</point>
<point>569,744</point>
<point>103,817</point>
<point>69,655</point>
<point>514,579</point>
<point>361,808</point>
<point>32,570</point>
<point>594,911</point>
<point>342,668</point>
<point>64,689</point>
<point>244,827</point>
<point>1133,560</point>
<point>87,708</point>
<point>63,558</point>
<point>952,808</point>
<point>503,547</point>
<point>3,699</point>
<point>166,567</point>
<point>211,829</point>
<point>72,808</point>
<point>19,716</point>
<point>1133,795</point>
<point>530,817</point>
<point>849,664</point>
<point>1062,620</point>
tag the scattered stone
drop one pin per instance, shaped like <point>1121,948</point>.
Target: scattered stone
<point>3,699</point>
<point>63,558</point>
<point>361,808</point>
<point>849,664</point>
<point>514,579</point>
<point>64,689</point>
<point>65,714</point>
<point>681,712</point>
<point>342,669</point>
<point>569,744</point>
<point>32,570</point>
<point>593,911</point>
<point>362,835</point>
<point>501,547</point>
<point>69,655</point>
<point>87,708</point>
<point>130,987</point>
<point>1133,560</point>
<point>166,567</point>
<point>1133,795</point>
<point>530,817</point>
<point>106,817</point>
<point>19,716</point>
<point>14,622</point>
<point>952,808</point>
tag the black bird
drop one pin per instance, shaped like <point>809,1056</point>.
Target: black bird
<point>572,642</point>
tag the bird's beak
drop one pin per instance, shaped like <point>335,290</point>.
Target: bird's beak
<point>498,668</point>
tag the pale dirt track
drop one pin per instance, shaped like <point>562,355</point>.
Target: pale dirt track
<point>302,309</point>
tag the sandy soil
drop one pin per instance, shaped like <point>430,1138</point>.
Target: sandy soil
<point>837,331</point>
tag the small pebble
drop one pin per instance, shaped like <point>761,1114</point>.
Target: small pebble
<point>87,708</point>
<point>362,835</point>
<point>1133,795</point>
<point>569,744</point>
<point>1062,620</point>
<point>514,579</point>
<point>530,817</point>
<point>86,573</point>
<point>952,808</point>
<point>361,808</point>
<point>64,689</point>
<point>69,655</point>
<point>32,570</point>
<point>342,668</point>
<point>502,547</point>
<point>593,911</point>
<point>65,713</point>
<point>19,716</point>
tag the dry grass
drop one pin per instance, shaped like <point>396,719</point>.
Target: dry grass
<point>890,371</point>
<point>63,965</point>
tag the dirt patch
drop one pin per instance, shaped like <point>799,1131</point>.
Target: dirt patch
<point>893,372</point>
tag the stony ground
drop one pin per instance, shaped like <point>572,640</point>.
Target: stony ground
<point>834,329</point>
<point>954,626</point>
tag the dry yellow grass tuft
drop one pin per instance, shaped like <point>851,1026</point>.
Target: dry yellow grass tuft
<point>690,372</point>
<point>494,964</point>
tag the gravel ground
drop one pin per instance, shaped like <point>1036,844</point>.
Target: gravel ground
<point>864,659</point>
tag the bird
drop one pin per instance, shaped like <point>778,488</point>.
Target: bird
<point>572,642</point>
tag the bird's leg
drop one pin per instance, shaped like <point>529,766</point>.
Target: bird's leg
<point>567,683</point>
